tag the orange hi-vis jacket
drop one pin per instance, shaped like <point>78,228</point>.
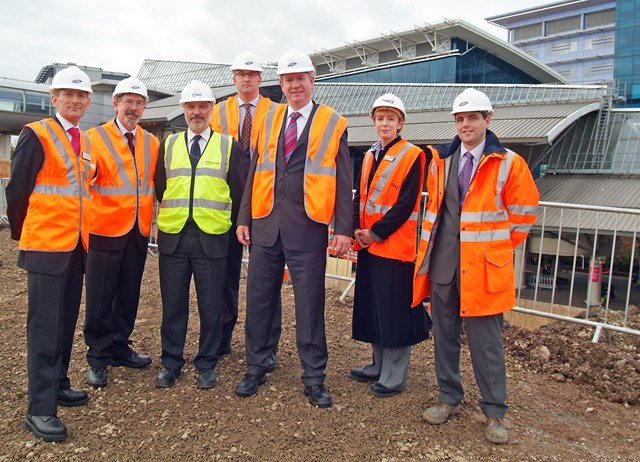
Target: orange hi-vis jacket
<point>225,118</point>
<point>327,126</point>
<point>123,192</point>
<point>59,206</point>
<point>381,195</point>
<point>497,214</point>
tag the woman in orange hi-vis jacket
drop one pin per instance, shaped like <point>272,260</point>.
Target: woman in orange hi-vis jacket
<point>482,204</point>
<point>386,206</point>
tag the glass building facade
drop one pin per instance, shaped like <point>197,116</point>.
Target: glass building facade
<point>627,66</point>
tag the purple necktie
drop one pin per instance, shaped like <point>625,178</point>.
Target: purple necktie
<point>245,136</point>
<point>75,139</point>
<point>129,137</point>
<point>464,177</point>
<point>290,136</point>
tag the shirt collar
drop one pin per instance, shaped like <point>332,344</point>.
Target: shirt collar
<point>304,111</point>
<point>253,102</point>
<point>205,135</point>
<point>475,152</point>
<point>122,129</point>
<point>66,125</point>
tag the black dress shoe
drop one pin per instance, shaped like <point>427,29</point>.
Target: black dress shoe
<point>381,391</point>
<point>249,385</point>
<point>167,378</point>
<point>48,427</point>
<point>97,377</point>
<point>72,397</point>
<point>224,351</point>
<point>318,396</point>
<point>271,362</point>
<point>134,360</point>
<point>207,379</point>
<point>357,374</point>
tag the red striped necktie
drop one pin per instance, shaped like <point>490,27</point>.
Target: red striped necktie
<point>291,136</point>
<point>75,139</point>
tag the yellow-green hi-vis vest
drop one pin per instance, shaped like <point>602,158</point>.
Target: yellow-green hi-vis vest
<point>211,198</point>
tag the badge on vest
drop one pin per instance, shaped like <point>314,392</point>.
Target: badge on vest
<point>389,158</point>
<point>86,156</point>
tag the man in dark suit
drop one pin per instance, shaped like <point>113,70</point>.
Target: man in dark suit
<point>48,208</point>
<point>299,180</point>
<point>196,180</point>
<point>123,200</point>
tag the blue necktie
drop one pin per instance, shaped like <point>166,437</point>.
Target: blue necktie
<point>195,152</point>
<point>464,178</point>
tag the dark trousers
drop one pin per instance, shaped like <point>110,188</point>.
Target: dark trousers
<point>484,334</point>
<point>231,291</point>
<point>113,293</point>
<point>176,270</point>
<point>264,282</point>
<point>54,303</point>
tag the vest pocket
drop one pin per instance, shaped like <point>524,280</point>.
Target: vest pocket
<point>499,268</point>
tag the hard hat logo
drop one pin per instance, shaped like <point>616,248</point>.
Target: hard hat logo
<point>135,87</point>
<point>248,63</point>
<point>196,94</point>
<point>77,81</point>
<point>464,103</point>
<point>292,64</point>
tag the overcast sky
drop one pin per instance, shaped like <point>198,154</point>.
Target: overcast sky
<point>118,35</point>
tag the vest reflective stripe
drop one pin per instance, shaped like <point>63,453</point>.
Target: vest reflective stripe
<point>124,191</point>
<point>211,201</point>
<point>326,128</point>
<point>382,194</point>
<point>225,118</point>
<point>58,212</point>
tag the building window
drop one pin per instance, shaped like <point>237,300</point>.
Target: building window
<point>527,32</point>
<point>572,23</point>
<point>600,18</point>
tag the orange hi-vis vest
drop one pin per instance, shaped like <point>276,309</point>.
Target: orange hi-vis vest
<point>497,214</point>
<point>382,194</point>
<point>59,206</point>
<point>225,118</point>
<point>123,191</point>
<point>327,126</point>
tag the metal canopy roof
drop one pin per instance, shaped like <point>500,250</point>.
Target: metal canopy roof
<point>595,189</point>
<point>438,37</point>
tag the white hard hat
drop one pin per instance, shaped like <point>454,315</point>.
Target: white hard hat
<point>294,61</point>
<point>71,78</point>
<point>196,91</point>
<point>471,100</point>
<point>388,100</point>
<point>131,85</point>
<point>246,61</point>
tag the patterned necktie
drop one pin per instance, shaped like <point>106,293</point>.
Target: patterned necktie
<point>290,136</point>
<point>75,139</point>
<point>195,152</point>
<point>464,178</point>
<point>245,136</point>
<point>132,147</point>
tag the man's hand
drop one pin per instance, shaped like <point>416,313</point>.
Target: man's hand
<point>363,237</point>
<point>340,244</point>
<point>242,231</point>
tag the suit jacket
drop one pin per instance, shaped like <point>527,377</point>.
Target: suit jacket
<point>26,162</point>
<point>214,245</point>
<point>288,219</point>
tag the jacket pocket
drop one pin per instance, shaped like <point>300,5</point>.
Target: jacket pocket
<point>499,268</point>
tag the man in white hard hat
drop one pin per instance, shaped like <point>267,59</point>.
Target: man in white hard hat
<point>123,201</point>
<point>486,205</point>
<point>241,116</point>
<point>48,208</point>
<point>196,180</point>
<point>299,181</point>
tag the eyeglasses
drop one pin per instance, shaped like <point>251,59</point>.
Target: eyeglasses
<point>242,75</point>
<point>130,102</point>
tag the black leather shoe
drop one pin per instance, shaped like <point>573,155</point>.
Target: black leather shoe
<point>318,395</point>
<point>207,379</point>
<point>224,351</point>
<point>272,363</point>
<point>167,378</point>
<point>381,391</point>
<point>48,427</point>
<point>134,360</point>
<point>72,397</point>
<point>249,385</point>
<point>357,374</point>
<point>97,377</point>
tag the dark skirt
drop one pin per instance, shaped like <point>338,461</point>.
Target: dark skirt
<point>382,312</point>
